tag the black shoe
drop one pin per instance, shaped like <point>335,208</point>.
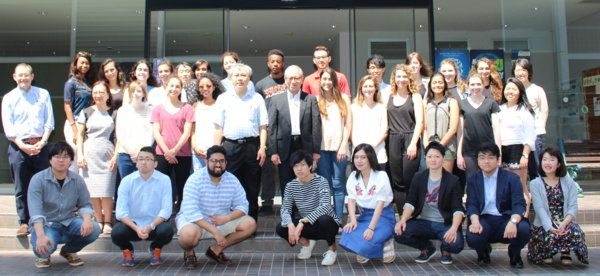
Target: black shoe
<point>485,258</point>
<point>265,211</point>
<point>516,262</point>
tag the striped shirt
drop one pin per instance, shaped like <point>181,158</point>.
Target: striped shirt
<point>202,198</point>
<point>312,200</point>
<point>240,117</point>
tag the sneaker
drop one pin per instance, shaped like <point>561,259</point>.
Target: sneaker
<point>155,258</point>
<point>23,230</point>
<point>446,258</point>
<point>128,258</point>
<point>345,212</point>
<point>426,254</point>
<point>306,251</point>
<point>330,257</point>
<point>71,258</point>
<point>41,262</point>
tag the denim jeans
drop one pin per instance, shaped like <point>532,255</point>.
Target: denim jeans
<point>68,235</point>
<point>419,232</point>
<point>334,172</point>
<point>197,162</point>
<point>125,165</point>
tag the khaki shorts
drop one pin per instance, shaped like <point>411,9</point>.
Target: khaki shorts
<point>226,228</point>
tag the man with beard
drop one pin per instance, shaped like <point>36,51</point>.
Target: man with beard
<point>271,85</point>
<point>214,207</point>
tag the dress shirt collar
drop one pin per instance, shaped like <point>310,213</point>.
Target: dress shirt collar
<point>23,92</point>
<point>294,98</point>
<point>494,176</point>
<point>249,94</point>
<point>138,175</point>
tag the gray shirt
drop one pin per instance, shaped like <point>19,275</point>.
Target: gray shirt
<point>431,212</point>
<point>49,203</point>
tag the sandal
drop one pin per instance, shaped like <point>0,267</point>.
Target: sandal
<point>389,252</point>
<point>566,259</point>
<point>109,230</point>
<point>548,261</point>
<point>101,224</point>
<point>361,260</point>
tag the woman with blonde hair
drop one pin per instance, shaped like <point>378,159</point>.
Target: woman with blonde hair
<point>456,86</point>
<point>420,70</point>
<point>492,81</point>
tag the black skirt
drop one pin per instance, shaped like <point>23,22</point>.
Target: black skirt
<point>511,156</point>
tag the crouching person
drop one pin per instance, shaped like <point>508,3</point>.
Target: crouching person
<point>433,210</point>
<point>310,194</point>
<point>143,207</point>
<point>53,195</point>
<point>214,206</point>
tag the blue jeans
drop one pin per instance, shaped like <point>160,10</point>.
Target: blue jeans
<point>68,235</point>
<point>334,172</point>
<point>197,162</point>
<point>125,165</point>
<point>419,232</point>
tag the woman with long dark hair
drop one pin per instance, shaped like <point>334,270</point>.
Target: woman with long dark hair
<point>420,70</point>
<point>203,130</point>
<point>142,71</point>
<point>77,97</point>
<point>111,73</point>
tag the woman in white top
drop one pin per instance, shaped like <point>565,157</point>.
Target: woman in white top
<point>159,95</point>
<point>517,126</point>
<point>369,188</point>
<point>134,129</point>
<point>203,134</point>
<point>370,122</point>
<point>184,72</point>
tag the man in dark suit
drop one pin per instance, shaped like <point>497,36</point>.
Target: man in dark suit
<point>496,206</point>
<point>294,124</point>
<point>433,210</point>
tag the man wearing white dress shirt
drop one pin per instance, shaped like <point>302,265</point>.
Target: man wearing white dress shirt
<point>241,120</point>
<point>28,120</point>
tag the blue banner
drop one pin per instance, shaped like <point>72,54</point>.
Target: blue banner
<point>460,57</point>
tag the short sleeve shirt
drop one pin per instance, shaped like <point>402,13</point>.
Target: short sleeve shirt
<point>431,211</point>
<point>171,127</point>
<point>269,87</point>
<point>477,124</point>
<point>79,94</point>
<point>240,117</point>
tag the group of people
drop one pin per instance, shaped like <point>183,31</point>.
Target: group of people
<point>422,136</point>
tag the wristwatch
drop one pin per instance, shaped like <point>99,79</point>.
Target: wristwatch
<point>152,226</point>
<point>526,156</point>
<point>513,220</point>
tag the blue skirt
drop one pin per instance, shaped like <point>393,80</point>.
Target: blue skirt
<point>384,230</point>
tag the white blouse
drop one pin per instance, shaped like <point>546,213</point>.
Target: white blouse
<point>378,189</point>
<point>517,127</point>
<point>205,128</point>
<point>134,128</point>
<point>368,126</point>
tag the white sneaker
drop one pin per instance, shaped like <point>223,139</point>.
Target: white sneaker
<point>330,257</point>
<point>306,251</point>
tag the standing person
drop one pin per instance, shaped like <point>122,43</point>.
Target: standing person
<point>433,210</point>
<point>199,68</point>
<point>111,73</point>
<point>523,70</point>
<point>141,71</point>
<point>133,128</point>
<point>143,208</point>
<point>554,196</point>
<point>172,123</point>
<point>96,153</point>
<point>228,59</point>
<point>369,189</point>
<point>214,207</point>
<point>376,68</point>
<point>294,124</point>
<point>52,218</point>
<point>310,194</point>
<point>518,132</point>
<point>420,70</point>
<point>405,120</point>
<point>441,119</point>
<point>241,120</point>
<point>492,82</point>
<point>27,120</point>
<point>369,120</point>
<point>203,130</point>
<point>456,86</point>
<point>496,206</point>
<point>336,126</point>
<point>184,72</point>
<point>77,96</point>
<point>312,83</point>
<point>268,87</point>
<point>479,124</point>
<point>159,95</point>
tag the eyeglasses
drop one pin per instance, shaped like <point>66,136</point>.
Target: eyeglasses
<point>208,86</point>
<point>321,57</point>
<point>145,160</point>
<point>85,54</point>
<point>61,157</point>
<point>215,161</point>
<point>487,158</point>
<point>294,78</point>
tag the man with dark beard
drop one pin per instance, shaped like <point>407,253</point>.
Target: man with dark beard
<point>214,207</point>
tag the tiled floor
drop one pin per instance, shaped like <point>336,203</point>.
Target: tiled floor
<point>20,263</point>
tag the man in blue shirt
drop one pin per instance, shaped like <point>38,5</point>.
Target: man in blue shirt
<point>143,207</point>
<point>214,207</point>
<point>28,120</point>
<point>496,206</point>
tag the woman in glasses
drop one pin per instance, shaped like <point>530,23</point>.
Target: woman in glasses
<point>203,130</point>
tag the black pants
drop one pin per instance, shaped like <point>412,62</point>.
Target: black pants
<point>268,182</point>
<point>493,232</point>
<point>122,236</point>
<point>182,172</point>
<point>402,169</point>
<point>241,162</point>
<point>325,228</point>
<point>22,168</point>
<point>286,171</point>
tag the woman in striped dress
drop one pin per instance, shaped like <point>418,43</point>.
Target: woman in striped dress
<point>310,194</point>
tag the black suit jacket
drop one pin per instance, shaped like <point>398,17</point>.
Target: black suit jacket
<point>509,194</point>
<point>449,197</point>
<point>280,126</point>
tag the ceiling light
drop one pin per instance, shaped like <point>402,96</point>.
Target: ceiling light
<point>158,28</point>
<point>186,52</point>
<point>251,40</point>
<point>536,9</point>
<point>245,27</point>
<point>139,12</point>
<point>333,26</point>
<point>27,42</point>
<point>420,26</point>
<point>329,39</point>
<point>118,52</point>
<point>99,42</point>
<point>256,51</point>
<point>174,41</point>
<point>43,13</point>
<point>439,9</point>
<point>290,33</point>
<point>54,53</point>
<point>74,29</point>
<point>505,26</point>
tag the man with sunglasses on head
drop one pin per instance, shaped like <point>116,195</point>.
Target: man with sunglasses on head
<point>214,207</point>
<point>143,207</point>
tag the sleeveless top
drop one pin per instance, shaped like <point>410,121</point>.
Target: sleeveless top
<point>332,127</point>
<point>401,119</point>
<point>438,121</point>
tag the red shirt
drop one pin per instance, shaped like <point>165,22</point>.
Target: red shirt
<point>312,84</point>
